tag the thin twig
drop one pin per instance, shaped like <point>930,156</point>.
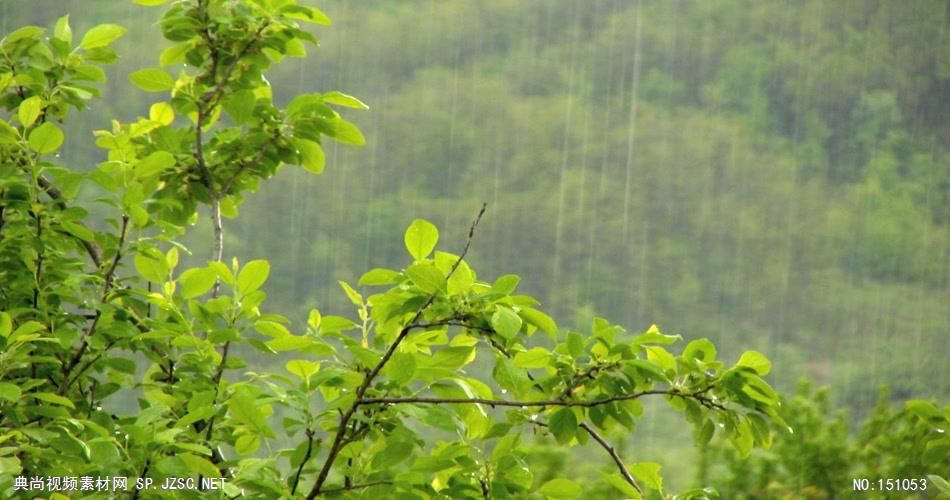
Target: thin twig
<point>306,458</point>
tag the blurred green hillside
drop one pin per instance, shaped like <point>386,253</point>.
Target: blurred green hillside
<point>772,175</point>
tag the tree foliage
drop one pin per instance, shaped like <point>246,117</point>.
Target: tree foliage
<point>822,457</point>
<point>97,308</point>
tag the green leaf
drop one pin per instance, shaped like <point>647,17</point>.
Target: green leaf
<point>305,13</point>
<point>25,32</point>
<point>742,439</point>
<point>451,358</point>
<point>291,343</point>
<point>101,35</point>
<point>161,112</point>
<point>29,110</point>
<point>421,238</point>
<point>311,155</point>
<point>62,31</point>
<point>150,3</point>
<point>271,329</point>
<point>401,367</point>
<point>661,356</point>
<point>152,80</point>
<point>425,276</point>
<point>195,282</point>
<point>333,324</point>
<point>154,164</point>
<point>247,444</point>
<point>700,349</point>
<point>540,320</point>
<point>6,324</point>
<point>942,485</point>
<point>347,133</point>
<point>252,276</point>
<point>341,99</point>
<point>27,328</point>
<point>10,392</point>
<point>393,453</point>
<point>537,357</point>
<point>78,231</point>
<point>506,322</point>
<point>441,418</point>
<point>196,415</point>
<point>8,133</point>
<point>176,54</point>
<point>648,473</point>
<point>563,424</point>
<point>759,390</point>
<point>575,344</point>
<point>244,407</point>
<point>756,361</point>
<point>46,138</point>
<point>302,368</point>
<point>706,432</point>
<point>653,336</point>
<point>651,368</point>
<point>352,294</point>
<point>53,398</point>
<point>560,488</point>
<point>621,484</point>
<point>240,107</point>
<point>199,465</point>
<point>378,277</point>
<point>506,284</point>
<point>925,410</point>
<point>151,268</point>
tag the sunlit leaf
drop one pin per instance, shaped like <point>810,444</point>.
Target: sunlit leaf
<point>506,322</point>
<point>46,138</point>
<point>252,275</point>
<point>420,238</point>
<point>101,35</point>
<point>756,361</point>
<point>152,80</point>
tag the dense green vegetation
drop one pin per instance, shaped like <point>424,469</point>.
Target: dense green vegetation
<point>767,175</point>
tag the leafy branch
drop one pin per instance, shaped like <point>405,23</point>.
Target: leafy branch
<point>338,439</point>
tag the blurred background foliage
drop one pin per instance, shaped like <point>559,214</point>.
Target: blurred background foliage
<point>771,175</point>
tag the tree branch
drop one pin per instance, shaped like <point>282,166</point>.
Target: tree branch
<point>589,373</point>
<point>108,281</point>
<point>95,254</point>
<point>614,455</point>
<point>368,380</point>
<point>705,401</point>
<point>306,458</point>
